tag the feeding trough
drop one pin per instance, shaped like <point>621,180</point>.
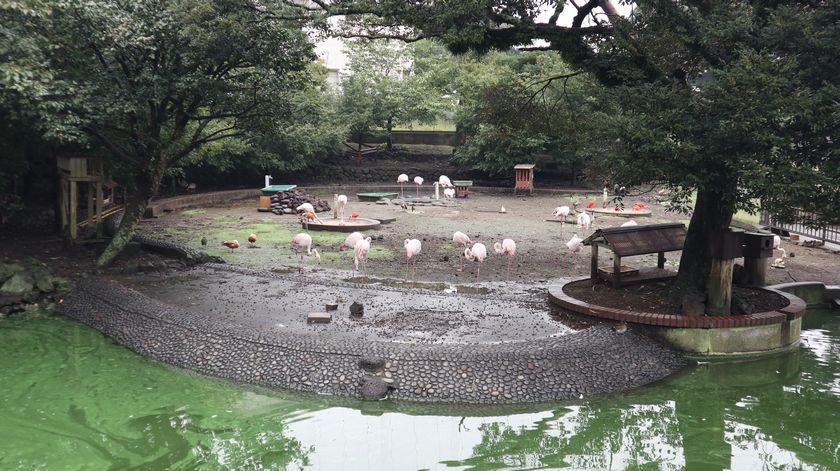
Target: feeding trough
<point>350,224</point>
<point>273,189</point>
<point>624,213</point>
<point>376,196</point>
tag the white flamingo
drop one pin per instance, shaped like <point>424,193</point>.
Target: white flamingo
<point>350,241</point>
<point>402,180</point>
<point>449,193</point>
<point>630,223</point>
<point>461,239</point>
<point>412,249</point>
<point>341,202</point>
<point>305,208</point>
<point>302,244</point>
<point>444,181</point>
<point>507,246</point>
<point>575,245</point>
<point>584,221</point>
<point>477,252</point>
<point>360,254</point>
<point>561,212</point>
<point>418,181</point>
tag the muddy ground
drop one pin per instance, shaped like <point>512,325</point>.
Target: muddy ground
<point>541,250</point>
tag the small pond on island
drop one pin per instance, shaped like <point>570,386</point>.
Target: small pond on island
<point>71,399</point>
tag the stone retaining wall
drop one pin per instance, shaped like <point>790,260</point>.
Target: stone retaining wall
<point>594,361</point>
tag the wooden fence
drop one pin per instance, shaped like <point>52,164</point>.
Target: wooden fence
<point>805,224</point>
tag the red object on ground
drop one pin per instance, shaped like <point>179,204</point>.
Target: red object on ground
<point>354,215</point>
<point>591,203</point>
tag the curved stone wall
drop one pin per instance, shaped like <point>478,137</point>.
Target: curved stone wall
<point>593,361</point>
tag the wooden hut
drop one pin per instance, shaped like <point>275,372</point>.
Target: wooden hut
<point>524,177</point>
<point>72,171</point>
<point>635,240</point>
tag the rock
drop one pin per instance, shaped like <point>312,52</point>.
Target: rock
<point>374,388</point>
<point>9,299</point>
<point>693,303</point>
<point>357,309</point>
<point>372,364</point>
<point>741,305</point>
<point>20,282</point>
<point>7,270</point>
<point>43,280</point>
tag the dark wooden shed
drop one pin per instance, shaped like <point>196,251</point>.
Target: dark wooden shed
<point>635,240</point>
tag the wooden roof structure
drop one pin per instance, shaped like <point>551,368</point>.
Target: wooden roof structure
<point>635,240</point>
<point>640,240</point>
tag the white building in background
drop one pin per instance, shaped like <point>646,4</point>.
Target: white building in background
<point>331,53</point>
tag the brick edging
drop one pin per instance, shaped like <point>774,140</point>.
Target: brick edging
<point>794,310</point>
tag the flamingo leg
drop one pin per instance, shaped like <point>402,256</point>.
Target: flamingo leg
<point>461,260</point>
<point>510,260</point>
<point>478,271</point>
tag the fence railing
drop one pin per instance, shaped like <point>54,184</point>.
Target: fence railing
<point>804,223</point>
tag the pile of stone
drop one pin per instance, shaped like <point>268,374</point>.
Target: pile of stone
<point>285,202</point>
<point>25,285</point>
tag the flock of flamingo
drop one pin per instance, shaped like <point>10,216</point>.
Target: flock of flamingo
<point>467,249</point>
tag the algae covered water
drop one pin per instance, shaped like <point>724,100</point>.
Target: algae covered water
<point>71,399</point>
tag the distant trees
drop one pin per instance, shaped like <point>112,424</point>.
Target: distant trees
<point>383,90</point>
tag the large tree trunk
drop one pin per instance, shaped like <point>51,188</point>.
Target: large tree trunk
<point>711,218</point>
<point>146,186</point>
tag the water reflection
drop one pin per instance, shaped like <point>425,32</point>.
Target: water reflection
<point>70,399</point>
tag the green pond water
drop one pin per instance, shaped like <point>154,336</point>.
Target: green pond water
<point>71,399</point>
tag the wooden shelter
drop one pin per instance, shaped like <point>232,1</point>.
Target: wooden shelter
<point>524,177</point>
<point>72,171</point>
<point>462,188</point>
<point>635,240</point>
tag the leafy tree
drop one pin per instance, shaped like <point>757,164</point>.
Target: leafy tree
<point>154,80</point>
<point>382,89</point>
<point>733,101</point>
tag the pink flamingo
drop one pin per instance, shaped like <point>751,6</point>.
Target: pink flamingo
<point>350,241</point>
<point>302,243</point>
<point>402,180</point>
<point>412,249</point>
<point>360,253</point>
<point>507,246</point>
<point>575,245</point>
<point>418,181</point>
<point>561,212</point>
<point>459,238</point>
<point>477,252</point>
<point>341,202</point>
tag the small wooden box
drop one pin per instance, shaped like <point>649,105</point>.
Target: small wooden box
<point>319,318</point>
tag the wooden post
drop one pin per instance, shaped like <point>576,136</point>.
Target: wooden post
<point>593,267</point>
<point>660,262</point>
<point>90,202</point>
<point>616,270</point>
<point>63,197</point>
<point>755,271</point>
<point>720,287</point>
<point>74,202</point>
<point>100,200</point>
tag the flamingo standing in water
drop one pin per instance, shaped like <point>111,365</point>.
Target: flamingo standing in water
<point>477,252</point>
<point>302,244</point>
<point>507,246</point>
<point>350,241</point>
<point>412,249</point>
<point>360,254</point>
<point>575,245</point>
<point>459,238</point>
<point>561,212</point>
<point>402,180</point>
<point>418,181</point>
<point>341,202</point>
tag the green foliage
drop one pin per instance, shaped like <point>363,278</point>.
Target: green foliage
<point>384,89</point>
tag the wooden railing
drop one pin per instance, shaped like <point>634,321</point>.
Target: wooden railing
<point>804,223</point>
